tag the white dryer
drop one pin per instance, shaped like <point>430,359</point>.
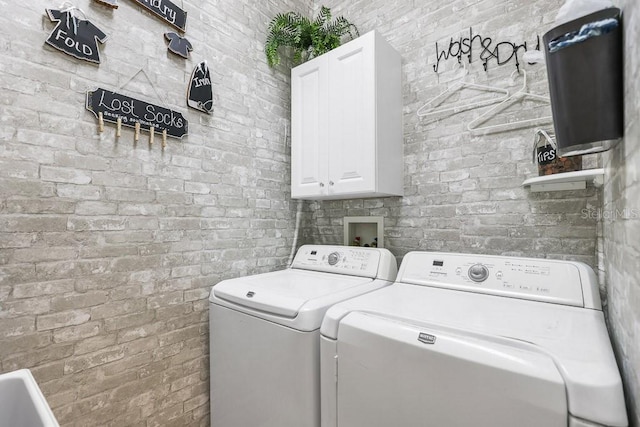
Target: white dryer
<point>472,341</point>
<point>265,339</point>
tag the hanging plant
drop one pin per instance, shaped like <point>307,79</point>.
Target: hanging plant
<point>307,38</point>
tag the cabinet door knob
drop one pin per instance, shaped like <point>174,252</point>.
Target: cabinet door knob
<point>330,182</point>
<point>322,184</point>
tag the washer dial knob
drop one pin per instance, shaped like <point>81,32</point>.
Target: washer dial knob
<point>478,273</point>
<point>333,258</point>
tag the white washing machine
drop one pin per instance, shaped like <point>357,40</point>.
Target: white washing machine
<point>470,340</point>
<point>265,339</point>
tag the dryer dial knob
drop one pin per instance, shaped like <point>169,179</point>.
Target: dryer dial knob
<point>333,258</point>
<point>478,273</point>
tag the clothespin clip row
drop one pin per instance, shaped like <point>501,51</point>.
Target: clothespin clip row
<point>136,133</point>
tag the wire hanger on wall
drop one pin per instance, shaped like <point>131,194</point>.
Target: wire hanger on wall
<point>518,95</point>
<point>153,86</point>
<point>428,110</point>
<point>137,127</point>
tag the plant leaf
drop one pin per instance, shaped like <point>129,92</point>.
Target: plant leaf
<point>307,38</point>
<point>323,17</point>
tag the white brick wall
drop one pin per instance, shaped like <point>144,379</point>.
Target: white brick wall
<point>621,221</point>
<point>108,249</point>
<point>463,190</point>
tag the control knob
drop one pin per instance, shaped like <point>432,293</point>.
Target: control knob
<point>333,258</point>
<point>478,273</point>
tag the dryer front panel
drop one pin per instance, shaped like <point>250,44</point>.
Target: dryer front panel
<point>262,374</point>
<point>395,373</point>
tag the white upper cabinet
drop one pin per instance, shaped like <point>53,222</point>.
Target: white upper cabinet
<point>346,120</point>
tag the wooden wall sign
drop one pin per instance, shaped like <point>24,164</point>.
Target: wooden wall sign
<point>110,3</point>
<point>74,36</point>
<point>200,95</point>
<point>130,111</point>
<point>167,11</point>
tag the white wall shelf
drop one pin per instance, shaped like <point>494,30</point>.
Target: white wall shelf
<point>566,181</point>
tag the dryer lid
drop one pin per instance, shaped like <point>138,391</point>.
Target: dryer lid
<point>284,293</point>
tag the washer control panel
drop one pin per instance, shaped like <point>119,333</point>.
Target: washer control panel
<point>545,280</point>
<point>354,261</point>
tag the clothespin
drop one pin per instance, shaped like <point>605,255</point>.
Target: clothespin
<point>136,133</point>
<point>100,122</point>
<point>151,135</point>
<point>119,127</point>
<point>164,138</point>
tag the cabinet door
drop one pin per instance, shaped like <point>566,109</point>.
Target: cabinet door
<point>309,124</point>
<point>352,114</point>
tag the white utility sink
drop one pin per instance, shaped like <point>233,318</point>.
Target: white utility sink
<point>22,403</point>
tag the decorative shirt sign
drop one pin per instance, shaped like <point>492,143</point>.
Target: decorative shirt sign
<point>76,37</point>
<point>200,94</point>
<point>130,111</point>
<point>167,11</point>
<point>178,45</point>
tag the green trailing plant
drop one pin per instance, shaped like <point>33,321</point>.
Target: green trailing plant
<point>308,38</point>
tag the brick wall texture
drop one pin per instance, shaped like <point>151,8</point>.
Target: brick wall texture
<point>108,249</point>
<point>620,221</point>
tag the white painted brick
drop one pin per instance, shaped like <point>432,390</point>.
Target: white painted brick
<point>64,175</point>
<point>62,319</point>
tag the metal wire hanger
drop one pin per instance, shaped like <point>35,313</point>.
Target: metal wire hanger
<point>153,86</point>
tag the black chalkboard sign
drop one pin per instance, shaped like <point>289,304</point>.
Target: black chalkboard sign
<point>545,154</point>
<point>200,95</point>
<point>74,36</point>
<point>114,106</point>
<point>111,3</point>
<point>167,11</point>
<point>178,45</point>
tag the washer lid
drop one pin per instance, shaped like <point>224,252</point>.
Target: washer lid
<point>575,338</point>
<point>285,293</point>
<point>448,377</point>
